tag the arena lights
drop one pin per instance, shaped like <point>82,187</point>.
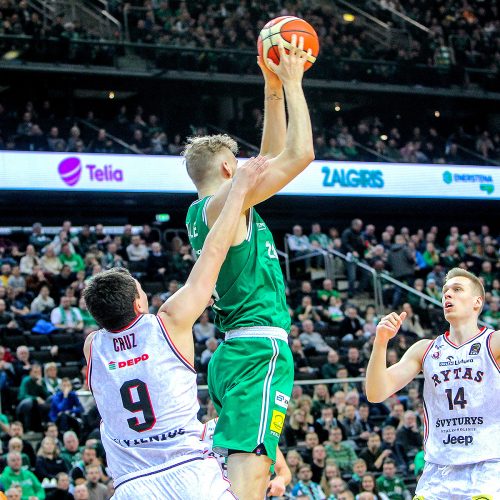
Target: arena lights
<point>337,107</point>
<point>437,114</point>
<point>348,17</point>
<point>383,137</point>
<point>111,94</point>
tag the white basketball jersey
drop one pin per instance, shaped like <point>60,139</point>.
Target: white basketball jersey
<point>146,393</point>
<point>207,438</point>
<point>461,394</point>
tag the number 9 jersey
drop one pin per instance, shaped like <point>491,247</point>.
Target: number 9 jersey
<point>146,394</point>
<point>461,392</point>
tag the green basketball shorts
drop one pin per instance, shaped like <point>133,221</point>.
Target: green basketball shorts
<point>250,383</point>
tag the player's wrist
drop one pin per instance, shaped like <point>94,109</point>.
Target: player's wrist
<point>380,341</point>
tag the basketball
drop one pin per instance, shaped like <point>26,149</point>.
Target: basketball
<point>284,27</point>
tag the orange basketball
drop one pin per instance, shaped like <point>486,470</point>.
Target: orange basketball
<point>284,27</point>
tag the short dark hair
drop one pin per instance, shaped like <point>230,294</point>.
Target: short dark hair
<point>389,461</point>
<point>110,298</point>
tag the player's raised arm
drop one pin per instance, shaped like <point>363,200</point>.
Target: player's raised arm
<point>299,150</point>
<point>382,382</point>
<point>183,308</point>
<point>274,129</point>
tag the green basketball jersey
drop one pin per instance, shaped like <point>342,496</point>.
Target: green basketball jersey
<point>250,290</point>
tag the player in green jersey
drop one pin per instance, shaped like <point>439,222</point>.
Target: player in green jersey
<point>250,376</point>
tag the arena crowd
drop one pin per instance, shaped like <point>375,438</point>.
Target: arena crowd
<point>336,443</point>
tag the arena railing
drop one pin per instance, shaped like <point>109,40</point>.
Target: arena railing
<point>377,278</point>
<point>44,52</point>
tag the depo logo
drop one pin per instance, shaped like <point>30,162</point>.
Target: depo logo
<point>70,170</point>
<point>485,182</point>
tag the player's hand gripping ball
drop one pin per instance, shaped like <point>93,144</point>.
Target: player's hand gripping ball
<point>283,28</point>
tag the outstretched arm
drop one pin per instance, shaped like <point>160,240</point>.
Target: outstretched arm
<point>182,309</point>
<point>274,131</point>
<point>298,151</point>
<point>381,381</point>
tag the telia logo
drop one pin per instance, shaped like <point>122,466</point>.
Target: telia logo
<point>70,171</point>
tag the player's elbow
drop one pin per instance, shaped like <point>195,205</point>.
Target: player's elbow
<point>373,395</point>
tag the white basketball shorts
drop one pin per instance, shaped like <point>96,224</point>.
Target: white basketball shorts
<point>194,479</point>
<point>479,481</point>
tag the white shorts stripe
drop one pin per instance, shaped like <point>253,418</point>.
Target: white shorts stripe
<point>266,393</point>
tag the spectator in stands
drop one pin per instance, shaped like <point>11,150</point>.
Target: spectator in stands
<point>157,262</point>
<point>97,490</point>
<point>7,320</point>
<point>293,461</point>
<point>397,451</point>
<point>358,471</point>
<point>326,292</point>
<point>373,454</point>
<point>18,282</point>
<point>81,492</point>
<point>38,238</point>
<point>66,408</point>
<point>337,488</point>
<point>390,484</point>
<point>66,318</point>
<point>43,302</point>
<point>14,474</point>
<point>351,423</point>
<point>350,328</point>
<point>432,290</point>
<point>207,354</point>
<point>112,258</point>
<point>326,422</point>
<point>62,489</point>
<point>16,445</point>
<point>33,406</point>
<point>341,452</point>
<point>89,457</point>
<point>72,452</point>
<point>312,341</point>
<point>203,329</point>
<point>352,244</point>
<point>50,378</point>
<point>29,261</point>
<point>330,472</point>
<point>298,244</point>
<point>305,487</point>
<point>16,430</point>
<point>138,255</point>
<point>70,258</point>
<point>296,428</point>
<point>301,363</point>
<point>310,442</point>
<point>408,435</point>
<point>307,311</point>
<point>48,461</point>
<point>318,462</point>
<point>395,417</point>
<point>353,363</point>
<point>329,369</point>
<point>89,323</point>
<point>369,485</point>
<point>343,387</point>
<point>319,237</point>
<point>401,261</point>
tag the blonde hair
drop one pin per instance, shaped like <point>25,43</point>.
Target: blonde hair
<point>477,286</point>
<point>200,152</point>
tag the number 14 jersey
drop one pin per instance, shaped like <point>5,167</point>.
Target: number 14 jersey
<point>461,394</point>
<point>146,394</point>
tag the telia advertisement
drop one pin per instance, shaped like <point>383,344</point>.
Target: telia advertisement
<point>167,174</point>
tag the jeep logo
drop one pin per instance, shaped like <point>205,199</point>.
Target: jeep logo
<point>467,440</point>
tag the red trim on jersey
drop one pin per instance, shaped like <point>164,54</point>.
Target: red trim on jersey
<point>170,341</point>
<point>89,365</point>
<point>130,325</point>
<point>490,351</point>
<point>447,334</point>
<point>426,352</point>
<point>426,426</point>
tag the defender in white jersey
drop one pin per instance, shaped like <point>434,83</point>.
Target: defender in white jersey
<point>461,390</point>
<point>282,475</point>
<point>140,370</point>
